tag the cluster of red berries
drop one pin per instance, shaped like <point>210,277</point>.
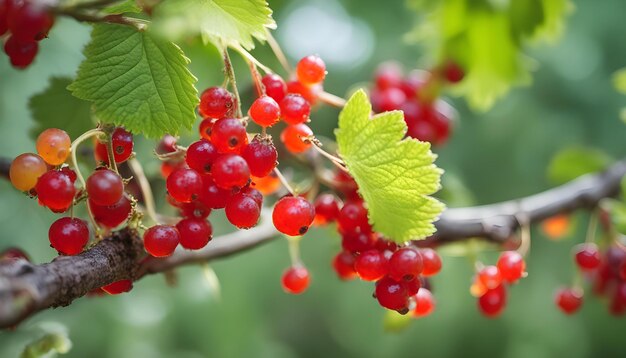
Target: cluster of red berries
<point>427,117</point>
<point>489,283</point>
<point>606,270</point>
<point>27,22</point>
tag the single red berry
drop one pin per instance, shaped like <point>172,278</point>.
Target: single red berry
<point>265,111</point>
<point>229,135</point>
<point>311,70</point>
<point>25,170</point>
<point>194,233</point>
<point>275,86</point>
<point>29,21</point>
<point>118,287</point>
<point>489,276</point>
<point>21,52</point>
<point>587,257</point>
<point>387,75</point>
<point>412,286</point>
<point>195,209</point>
<point>216,102</point>
<point>296,280</point>
<point>387,100</point>
<point>122,142</point>
<point>326,208</point>
<point>55,190</point>
<point>161,240</point>
<point>53,145</point>
<point>184,185</point>
<point>293,215</point>
<point>371,265</point>
<point>405,264</point>
<point>201,155</point>
<point>212,195</point>
<point>308,92</point>
<point>569,300</point>
<point>13,253</point>
<point>492,302</point>
<point>357,241</point>
<point>243,211</point>
<point>70,173</point>
<point>69,235</point>
<point>432,262</point>
<point>295,109</point>
<point>167,144</point>
<point>113,215</point>
<point>343,264</point>
<point>253,193</point>
<point>105,187</point>
<point>205,128</point>
<point>293,137</point>
<point>353,216</point>
<point>230,171</point>
<point>425,303</point>
<point>261,156</point>
<point>392,295</point>
<point>453,72</point>
<point>511,266</point>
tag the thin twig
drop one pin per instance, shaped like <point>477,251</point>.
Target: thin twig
<point>230,73</point>
<point>251,59</point>
<point>278,52</point>
<point>90,133</point>
<point>146,189</point>
<point>284,181</point>
<point>331,99</point>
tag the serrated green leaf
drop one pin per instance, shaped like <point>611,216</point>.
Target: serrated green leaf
<point>570,163</point>
<point>55,107</point>
<point>232,21</point>
<point>121,7</point>
<point>137,80</point>
<point>555,12</point>
<point>394,175</point>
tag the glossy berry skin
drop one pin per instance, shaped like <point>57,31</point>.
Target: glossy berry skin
<point>253,193</point>
<point>492,302</point>
<point>425,303</point>
<point>229,135</point>
<point>21,52</point>
<point>392,295</point>
<point>161,240</point>
<point>353,216</point>
<point>357,241</point>
<point>167,144</point>
<point>29,21</point>
<point>371,265</point>
<point>293,215</point>
<point>587,257</point>
<point>568,300</point>
<point>296,280</point>
<point>311,70</point>
<point>122,142</point>
<point>194,233</point>
<point>230,171</point>
<point>405,264</point>
<point>326,208</point>
<point>25,170</point>
<point>113,215</point>
<point>489,276</point>
<point>308,92</point>
<point>275,86</point>
<point>295,109</point>
<point>243,211</point>
<point>511,266</point>
<point>118,287</point>
<point>68,235</point>
<point>432,262</point>
<point>216,102</point>
<point>184,185</point>
<point>205,128</point>
<point>292,137</point>
<point>105,187</point>
<point>261,156</point>
<point>212,195</point>
<point>343,264</point>
<point>265,111</point>
<point>195,209</point>
<point>55,190</point>
<point>53,145</point>
<point>201,155</point>
<point>412,286</point>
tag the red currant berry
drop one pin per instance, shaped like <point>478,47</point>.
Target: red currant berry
<point>293,215</point>
<point>453,72</point>
<point>55,191</point>
<point>425,303</point>
<point>326,209</point>
<point>343,264</point>
<point>195,209</point>
<point>122,142</point>
<point>29,21</point>
<point>21,52</point>
<point>105,187</point>
<point>387,75</point>
<point>295,109</point>
<point>275,87</point>
<point>53,145</point>
<point>308,92</point>
<point>184,185</point>
<point>13,253</point>
<point>371,265</point>
<point>311,70</point>
<point>230,171</point>
<point>569,300</point>
<point>161,240</point>
<point>387,100</point>
<point>216,102</point>
<point>113,215</point>
<point>265,111</point>
<point>405,264</point>
<point>68,235</point>
<point>392,295</point>
<point>587,257</point>
<point>293,137</point>
<point>261,156</point>
<point>118,287</point>
<point>353,216</point>
<point>70,173</point>
<point>194,233</point>
<point>253,193</point>
<point>201,155</point>
<point>432,262</point>
<point>489,276</point>
<point>243,211</point>
<point>296,280</point>
<point>511,266</point>
<point>213,196</point>
<point>229,135</point>
<point>205,128</point>
<point>492,302</point>
<point>25,170</point>
<point>357,241</point>
<point>167,144</point>
<point>412,286</point>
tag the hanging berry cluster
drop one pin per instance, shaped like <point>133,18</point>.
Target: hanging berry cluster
<point>27,22</point>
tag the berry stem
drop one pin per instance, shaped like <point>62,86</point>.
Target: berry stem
<point>331,99</point>
<point>278,52</point>
<point>284,181</point>
<point>90,133</point>
<point>256,78</point>
<point>145,188</point>
<point>592,227</point>
<point>110,153</point>
<point>251,59</point>
<point>294,250</point>
<point>230,73</point>
<point>333,159</point>
<point>524,246</point>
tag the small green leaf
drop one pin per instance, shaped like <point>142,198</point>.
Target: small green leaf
<point>137,80</point>
<point>121,7</point>
<point>395,322</point>
<point>570,163</point>
<point>55,107</point>
<point>232,21</point>
<point>619,80</point>
<point>395,175</point>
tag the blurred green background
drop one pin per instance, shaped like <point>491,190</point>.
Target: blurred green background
<point>498,155</point>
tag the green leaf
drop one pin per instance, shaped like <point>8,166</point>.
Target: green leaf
<point>137,80</point>
<point>232,21</point>
<point>394,175</point>
<point>619,81</point>
<point>121,7</point>
<point>570,163</point>
<point>55,107</point>
<point>48,346</point>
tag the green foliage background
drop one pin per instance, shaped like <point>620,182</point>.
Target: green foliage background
<point>498,155</point>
